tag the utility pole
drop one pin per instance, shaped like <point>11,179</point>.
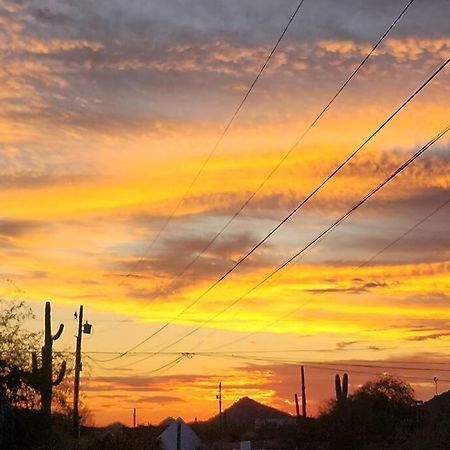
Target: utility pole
<point>134,417</point>
<point>297,409</point>
<point>219,398</point>
<point>302,370</point>
<point>86,328</point>
<point>76,389</point>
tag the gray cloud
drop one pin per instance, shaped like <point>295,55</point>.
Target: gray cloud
<point>345,344</point>
<point>162,383</point>
<point>175,255</point>
<point>353,243</point>
<point>421,176</point>
<point>357,289</point>
<point>18,228</point>
<point>125,64</point>
<point>32,180</point>
<point>30,165</point>
<point>260,20</point>
<point>429,337</point>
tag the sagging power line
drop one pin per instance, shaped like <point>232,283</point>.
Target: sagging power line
<point>220,139</point>
<point>283,221</point>
<point>365,263</point>
<point>284,157</point>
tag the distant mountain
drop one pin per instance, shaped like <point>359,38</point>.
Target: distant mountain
<point>115,426</point>
<point>246,411</point>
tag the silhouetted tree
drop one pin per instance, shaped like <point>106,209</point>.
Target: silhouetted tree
<point>16,345</point>
<point>20,419</point>
<point>370,415</point>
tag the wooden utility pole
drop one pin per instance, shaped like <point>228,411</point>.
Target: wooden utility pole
<point>134,417</point>
<point>297,409</point>
<point>76,389</point>
<point>302,370</point>
<point>220,410</point>
<point>219,398</point>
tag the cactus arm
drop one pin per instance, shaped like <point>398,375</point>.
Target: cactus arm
<point>337,383</point>
<point>61,374</point>
<point>345,386</point>
<point>59,332</point>
<point>34,377</point>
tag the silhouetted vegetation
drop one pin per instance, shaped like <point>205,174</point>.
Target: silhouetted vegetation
<point>381,414</point>
<point>370,415</point>
<point>25,420</point>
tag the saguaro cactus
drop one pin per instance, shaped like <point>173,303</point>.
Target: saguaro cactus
<point>42,378</point>
<point>341,390</point>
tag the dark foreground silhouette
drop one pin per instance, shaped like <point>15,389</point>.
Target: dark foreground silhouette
<point>380,415</point>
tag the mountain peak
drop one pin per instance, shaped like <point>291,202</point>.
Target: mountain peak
<point>247,410</point>
<point>246,400</point>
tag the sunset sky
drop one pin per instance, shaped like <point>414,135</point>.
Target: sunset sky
<point>109,110</point>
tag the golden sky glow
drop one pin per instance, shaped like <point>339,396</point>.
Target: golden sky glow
<point>109,109</point>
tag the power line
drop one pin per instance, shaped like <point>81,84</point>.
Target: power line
<point>281,162</point>
<point>294,146</point>
<point>335,172</point>
<point>299,206</point>
<point>385,366</point>
<point>323,234</point>
<point>341,219</point>
<point>402,167</point>
<point>334,366</point>
<point>274,230</point>
<point>209,352</point>
<point>164,367</point>
<point>220,139</point>
<point>327,365</point>
<point>149,354</point>
<point>190,355</point>
<point>363,364</point>
<point>365,263</point>
<point>360,372</point>
<point>189,306</point>
<point>399,238</point>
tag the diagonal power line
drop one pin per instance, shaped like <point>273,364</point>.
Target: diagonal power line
<point>365,263</point>
<point>328,230</point>
<point>293,212</point>
<point>286,155</point>
<point>327,179</point>
<point>219,140</point>
<point>279,164</point>
<point>403,235</point>
<point>316,239</point>
<point>263,356</point>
